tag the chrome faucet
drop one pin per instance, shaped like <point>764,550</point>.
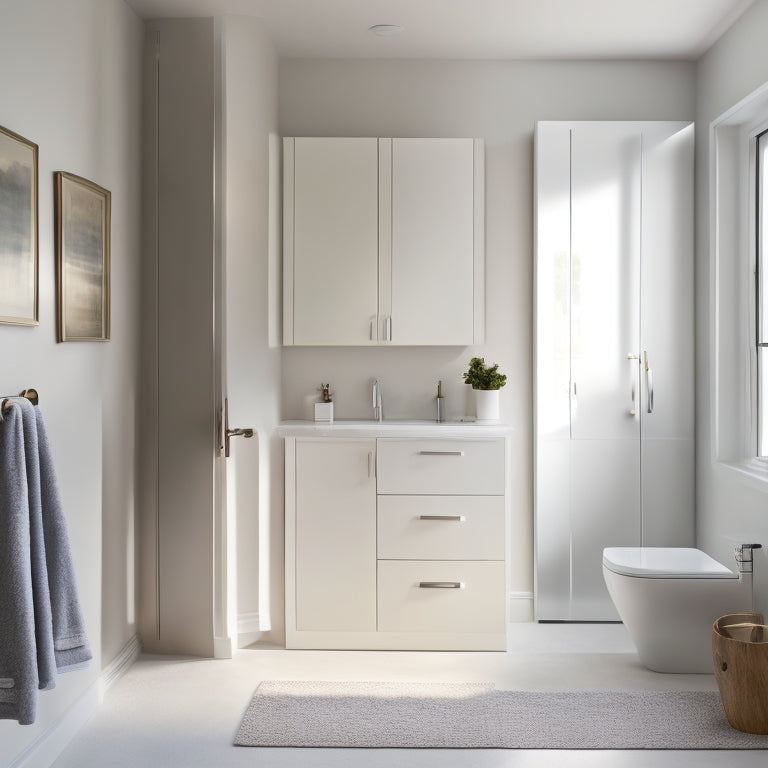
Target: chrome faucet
<point>378,408</point>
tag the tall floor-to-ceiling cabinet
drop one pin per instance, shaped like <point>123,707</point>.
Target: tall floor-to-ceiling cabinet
<point>614,352</point>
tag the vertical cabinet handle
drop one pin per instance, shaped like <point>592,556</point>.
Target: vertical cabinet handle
<point>633,411</point>
<point>388,328</point>
<point>648,382</point>
<point>372,332</point>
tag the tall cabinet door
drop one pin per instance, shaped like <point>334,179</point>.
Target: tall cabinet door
<point>667,344</point>
<point>605,333</point>
<point>435,189</point>
<point>331,230</point>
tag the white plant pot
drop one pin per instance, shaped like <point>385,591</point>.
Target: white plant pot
<point>487,405</point>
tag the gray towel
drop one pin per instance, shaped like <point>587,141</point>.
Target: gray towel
<point>18,649</point>
<point>46,661</point>
<point>70,641</point>
<point>41,625</point>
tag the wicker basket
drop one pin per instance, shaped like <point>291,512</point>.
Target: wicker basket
<point>740,657</point>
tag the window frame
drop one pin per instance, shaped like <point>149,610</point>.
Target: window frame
<point>758,266</point>
<point>732,322</point>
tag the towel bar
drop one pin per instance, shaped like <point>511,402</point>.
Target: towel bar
<point>30,394</point>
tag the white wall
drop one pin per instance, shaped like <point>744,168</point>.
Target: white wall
<point>500,102</point>
<point>70,81</point>
<point>730,505</point>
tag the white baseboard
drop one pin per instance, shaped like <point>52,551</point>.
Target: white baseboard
<point>248,623</point>
<point>222,647</point>
<point>248,629</point>
<point>520,607</point>
<point>120,664</point>
<point>46,749</point>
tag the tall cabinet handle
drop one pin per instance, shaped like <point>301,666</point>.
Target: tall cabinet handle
<point>648,382</point>
<point>636,375</point>
<point>388,328</point>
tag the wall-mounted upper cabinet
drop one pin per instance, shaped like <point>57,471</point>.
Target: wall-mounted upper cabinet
<point>383,241</point>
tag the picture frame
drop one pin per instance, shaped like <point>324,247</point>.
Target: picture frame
<point>18,229</point>
<point>83,221</point>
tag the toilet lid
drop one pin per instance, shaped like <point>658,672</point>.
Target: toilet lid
<point>665,563</point>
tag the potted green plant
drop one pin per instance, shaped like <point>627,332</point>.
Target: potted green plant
<point>486,381</point>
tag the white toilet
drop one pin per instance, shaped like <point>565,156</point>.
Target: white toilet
<point>668,598</point>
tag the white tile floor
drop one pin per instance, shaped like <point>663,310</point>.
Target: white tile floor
<point>184,712</point>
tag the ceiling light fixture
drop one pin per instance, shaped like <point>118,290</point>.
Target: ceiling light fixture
<point>385,30</point>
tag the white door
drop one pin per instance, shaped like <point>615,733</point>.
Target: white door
<point>248,504</point>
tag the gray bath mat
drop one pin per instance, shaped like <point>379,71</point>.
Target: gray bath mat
<point>475,716</point>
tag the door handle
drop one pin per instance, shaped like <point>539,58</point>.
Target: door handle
<point>230,433</point>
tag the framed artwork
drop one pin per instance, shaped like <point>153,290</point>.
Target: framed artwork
<point>18,230</point>
<point>83,211</point>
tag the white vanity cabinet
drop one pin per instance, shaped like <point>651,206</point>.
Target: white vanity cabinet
<point>396,543</point>
<point>383,241</point>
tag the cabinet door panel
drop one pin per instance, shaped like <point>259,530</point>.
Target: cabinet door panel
<point>335,241</point>
<point>335,535</point>
<point>432,241</point>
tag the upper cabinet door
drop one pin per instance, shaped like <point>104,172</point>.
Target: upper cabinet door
<point>437,189</point>
<point>330,241</point>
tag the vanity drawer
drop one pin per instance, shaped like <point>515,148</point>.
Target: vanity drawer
<point>455,467</point>
<point>440,596</point>
<point>440,527</point>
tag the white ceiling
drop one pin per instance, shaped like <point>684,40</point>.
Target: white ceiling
<point>478,29</point>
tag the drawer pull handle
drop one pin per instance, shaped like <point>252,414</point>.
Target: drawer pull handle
<point>441,585</point>
<point>454,518</point>
<point>441,453</point>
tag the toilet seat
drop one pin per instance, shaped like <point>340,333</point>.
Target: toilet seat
<point>664,563</point>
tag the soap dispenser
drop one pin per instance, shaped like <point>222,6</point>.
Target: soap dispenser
<point>440,402</point>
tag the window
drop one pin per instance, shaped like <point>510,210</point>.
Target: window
<point>738,348</point>
<point>761,281</point>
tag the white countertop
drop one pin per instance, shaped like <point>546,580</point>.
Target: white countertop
<point>391,428</point>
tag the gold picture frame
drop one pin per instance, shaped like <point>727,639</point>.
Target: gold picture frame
<point>18,230</point>
<point>83,213</point>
